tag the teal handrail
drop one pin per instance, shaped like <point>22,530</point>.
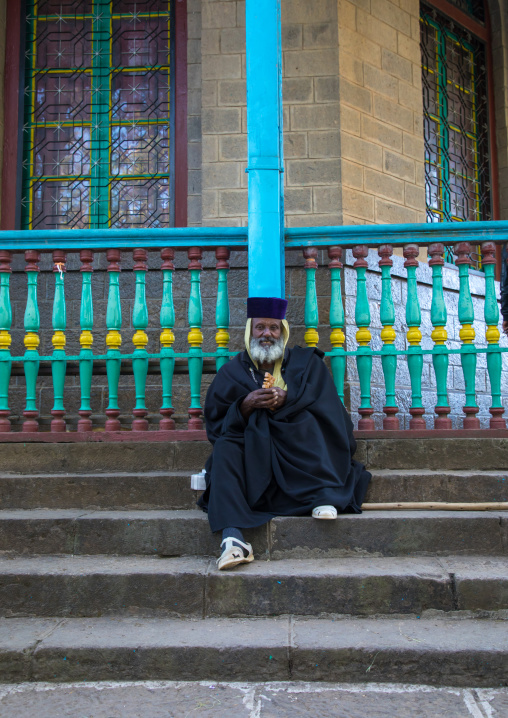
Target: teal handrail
<point>236,237</point>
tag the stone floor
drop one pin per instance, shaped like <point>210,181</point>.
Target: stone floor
<point>166,699</point>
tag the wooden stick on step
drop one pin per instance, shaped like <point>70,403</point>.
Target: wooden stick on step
<point>437,506</point>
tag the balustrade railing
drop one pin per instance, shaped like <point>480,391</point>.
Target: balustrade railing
<point>335,240</point>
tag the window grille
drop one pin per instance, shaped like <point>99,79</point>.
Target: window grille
<point>98,114</point>
<point>474,8</point>
<point>455,110</point>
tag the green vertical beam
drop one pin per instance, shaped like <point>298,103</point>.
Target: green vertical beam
<point>86,341</point>
<point>438,317</point>
<point>113,339</point>
<point>222,309</point>
<point>467,335</point>
<point>414,337</point>
<point>100,120</point>
<point>363,337</point>
<point>195,339</point>
<point>311,305</point>
<point>58,362</point>
<point>337,337</point>
<point>492,335</point>
<point>31,341</point>
<point>444,140</point>
<point>388,352</point>
<point>140,340</point>
<point>167,319</point>
<point>5,339</point>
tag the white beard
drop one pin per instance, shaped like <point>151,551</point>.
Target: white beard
<point>266,355</point>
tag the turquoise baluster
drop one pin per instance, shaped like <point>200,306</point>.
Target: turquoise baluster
<point>58,362</point>
<point>167,319</point>
<point>195,339</point>
<point>363,337</point>
<point>467,336</point>
<point>438,317</point>
<point>86,341</point>
<point>113,339</point>
<point>311,306</point>
<point>140,340</point>
<point>414,337</point>
<point>492,335</point>
<point>31,342</point>
<point>5,339</point>
<point>337,337</point>
<point>388,355</point>
<point>222,310</point>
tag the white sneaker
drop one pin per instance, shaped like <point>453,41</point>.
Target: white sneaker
<point>324,512</point>
<point>232,556</point>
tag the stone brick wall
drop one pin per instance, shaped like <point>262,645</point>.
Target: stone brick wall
<point>223,113</point>
<point>311,113</point>
<point>381,111</point>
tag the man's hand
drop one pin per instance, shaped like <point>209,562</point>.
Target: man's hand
<point>281,397</point>
<point>272,398</point>
<point>505,327</point>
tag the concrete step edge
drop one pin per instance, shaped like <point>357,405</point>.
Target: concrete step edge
<point>192,586</point>
<point>104,564</point>
<point>172,490</point>
<point>197,513</point>
<point>434,652</point>
<point>186,532</point>
<point>376,473</point>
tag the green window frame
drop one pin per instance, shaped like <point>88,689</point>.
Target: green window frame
<point>98,114</point>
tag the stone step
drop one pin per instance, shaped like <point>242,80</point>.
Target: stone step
<point>93,586</point>
<point>181,533</point>
<point>392,485</point>
<point>410,452</point>
<point>426,651</point>
<point>140,490</point>
<point>171,489</point>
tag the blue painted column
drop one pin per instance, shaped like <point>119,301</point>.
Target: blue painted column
<point>265,160</point>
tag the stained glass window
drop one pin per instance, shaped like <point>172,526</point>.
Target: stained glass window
<point>455,110</point>
<point>98,114</point>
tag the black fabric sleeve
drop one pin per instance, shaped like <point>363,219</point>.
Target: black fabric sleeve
<point>234,423</point>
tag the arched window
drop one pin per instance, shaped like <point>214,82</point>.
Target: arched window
<point>456,112</point>
<point>98,114</point>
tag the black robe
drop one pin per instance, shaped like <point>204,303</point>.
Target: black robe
<point>283,462</point>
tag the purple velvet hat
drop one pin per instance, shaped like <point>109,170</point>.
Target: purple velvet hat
<point>269,307</point>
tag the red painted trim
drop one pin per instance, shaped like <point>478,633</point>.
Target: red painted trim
<point>494,168</point>
<point>71,437</point>
<point>11,117</point>
<point>492,122</point>
<point>181,174</point>
<point>434,434</point>
<point>466,21</point>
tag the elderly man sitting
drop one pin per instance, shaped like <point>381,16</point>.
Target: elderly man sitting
<point>285,450</point>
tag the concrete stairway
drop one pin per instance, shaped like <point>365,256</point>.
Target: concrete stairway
<point>107,572</point>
